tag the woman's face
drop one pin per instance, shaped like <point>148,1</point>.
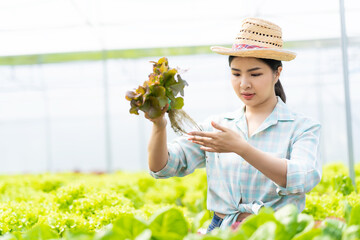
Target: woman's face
<point>253,80</point>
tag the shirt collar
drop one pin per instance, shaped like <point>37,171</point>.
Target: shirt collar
<point>281,112</point>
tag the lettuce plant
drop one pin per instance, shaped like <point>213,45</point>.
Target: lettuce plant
<point>159,91</point>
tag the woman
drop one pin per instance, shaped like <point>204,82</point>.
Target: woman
<point>263,154</point>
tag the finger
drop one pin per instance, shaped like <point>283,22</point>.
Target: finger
<point>219,127</point>
<point>154,120</point>
<point>200,143</point>
<point>204,143</point>
<point>147,115</point>
<point>203,134</point>
<point>208,149</point>
<point>165,108</point>
<point>197,138</point>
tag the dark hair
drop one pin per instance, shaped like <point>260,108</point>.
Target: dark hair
<point>274,65</point>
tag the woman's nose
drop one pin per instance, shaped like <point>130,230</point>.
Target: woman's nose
<point>244,84</point>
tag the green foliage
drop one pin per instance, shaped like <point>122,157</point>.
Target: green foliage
<point>355,215</point>
<point>125,227</point>
<point>343,184</point>
<point>333,228</point>
<point>201,220</point>
<point>288,216</point>
<point>135,206</point>
<point>161,89</point>
<point>333,194</point>
<point>82,204</point>
<point>168,224</point>
<point>330,171</point>
<point>286,224</point>
<point>352,232</point>
<point>40,232</point>
<point>305,224</point>
<point>321,206</point>
<point>253,222</point>
<point>311,234</point>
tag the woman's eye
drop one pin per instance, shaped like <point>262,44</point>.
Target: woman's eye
<point>236,74</point>
<point>256,74</point>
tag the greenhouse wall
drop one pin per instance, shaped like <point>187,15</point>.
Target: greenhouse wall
<point>52,115</point>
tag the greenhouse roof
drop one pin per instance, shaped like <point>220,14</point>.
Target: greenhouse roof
<point>29,27</point>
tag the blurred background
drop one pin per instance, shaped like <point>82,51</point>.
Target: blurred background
<point>65,67</point>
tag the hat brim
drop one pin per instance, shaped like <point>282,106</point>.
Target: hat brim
<point>270,53</point>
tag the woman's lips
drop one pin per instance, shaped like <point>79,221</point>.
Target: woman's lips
<point>248,96</point>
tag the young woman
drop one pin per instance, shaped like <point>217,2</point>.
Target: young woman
<point>263,154</point>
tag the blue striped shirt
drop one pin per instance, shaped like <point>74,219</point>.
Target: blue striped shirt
<point>235,186</point>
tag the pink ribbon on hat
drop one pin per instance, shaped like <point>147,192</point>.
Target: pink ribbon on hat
<point>244,46</point>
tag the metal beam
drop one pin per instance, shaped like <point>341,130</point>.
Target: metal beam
<point>347,92</point>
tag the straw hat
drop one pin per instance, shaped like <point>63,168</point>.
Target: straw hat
<point>257,38</point>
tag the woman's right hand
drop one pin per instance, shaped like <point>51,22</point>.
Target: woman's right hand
<point>161,120</point>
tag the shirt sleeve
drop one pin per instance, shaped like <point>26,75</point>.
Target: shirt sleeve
<point>184,157</point>
<point>303,167</point>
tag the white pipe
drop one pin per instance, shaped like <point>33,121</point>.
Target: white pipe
<point>347,92</point>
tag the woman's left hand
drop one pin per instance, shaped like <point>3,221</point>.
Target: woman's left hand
<point>224,141</point>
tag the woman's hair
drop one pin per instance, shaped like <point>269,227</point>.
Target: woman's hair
<point>274,65</point>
